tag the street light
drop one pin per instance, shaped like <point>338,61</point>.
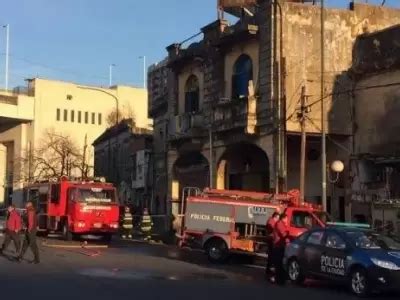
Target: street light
<point>105,92</point>
<point>144,70</point>
<point>336,167</point>
<point>116,121</point>
<point>7,27</point>
<point>110,75</point>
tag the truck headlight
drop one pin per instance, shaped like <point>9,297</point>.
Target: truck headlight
<point>114,225</point>
<point>80,224</point>
<point>385,264</point>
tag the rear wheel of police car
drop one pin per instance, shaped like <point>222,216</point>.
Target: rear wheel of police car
<point>359,282</point>
<point>217,250</point>
<point>295,272</point>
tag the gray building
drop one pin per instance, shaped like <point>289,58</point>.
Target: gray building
<point>123,155</point>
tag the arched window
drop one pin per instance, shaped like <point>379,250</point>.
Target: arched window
<point>192,94</point>
<point>242,74</point>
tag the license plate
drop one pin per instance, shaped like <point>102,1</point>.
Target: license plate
<point>97,225</point>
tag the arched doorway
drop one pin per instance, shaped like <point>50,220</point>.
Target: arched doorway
<point>243,166</point>
<point>191,169</point>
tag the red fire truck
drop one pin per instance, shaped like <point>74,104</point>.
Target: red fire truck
<point>75,207</point>
<point>226,221</point>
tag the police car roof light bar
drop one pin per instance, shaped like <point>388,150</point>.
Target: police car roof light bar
<point>343,224</point>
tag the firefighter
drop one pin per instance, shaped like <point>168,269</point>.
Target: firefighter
<point>146,225</point>
<point>30,234</point>
<point>127,224</point>
<point>269,237</point>
<point>13,227</point>
<point>281,239</point>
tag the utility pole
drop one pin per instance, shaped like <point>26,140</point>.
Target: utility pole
<point>323,134</point>
<point>302,119</point>
<point>211,157</point>
<point>84,172</point>
<point>7,27</point>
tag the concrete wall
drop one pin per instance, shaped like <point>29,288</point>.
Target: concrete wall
<point>377,113</point>
<point>22,109</point>
<point>301,34</point>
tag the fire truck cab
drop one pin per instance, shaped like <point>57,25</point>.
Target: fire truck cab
<point>226,221</point>
<point>75,207</point>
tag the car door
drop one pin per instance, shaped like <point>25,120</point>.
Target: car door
<point>333,258</point>
<point>312,252</point>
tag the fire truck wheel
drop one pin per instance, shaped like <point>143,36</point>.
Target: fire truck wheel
<point>217,250</point>
<point>67,234</point>
<point>294,272</point>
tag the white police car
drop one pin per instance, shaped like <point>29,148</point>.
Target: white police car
<point>365,260</point>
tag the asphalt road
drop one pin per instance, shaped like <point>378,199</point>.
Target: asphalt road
<point>128,270</point>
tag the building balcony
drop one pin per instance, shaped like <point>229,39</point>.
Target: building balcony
<point>235,114</point>
<point>186,125</point>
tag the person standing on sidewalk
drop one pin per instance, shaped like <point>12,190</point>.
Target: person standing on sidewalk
<point>281,239</point>
<point>270,241</point>
<point>146,225</point>
<point>127,224</point>
<point>13,227</point>
<point>30,234</point>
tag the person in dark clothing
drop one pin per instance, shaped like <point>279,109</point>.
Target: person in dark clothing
<point>281,239</point>
<point>269,238</point>
<point>13,227</point>
<point>30,234</point>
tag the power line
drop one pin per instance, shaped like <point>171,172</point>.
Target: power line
<point>363,88</point>
<point>60,70</point>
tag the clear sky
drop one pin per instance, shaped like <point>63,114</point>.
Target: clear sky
<point>77,40</point>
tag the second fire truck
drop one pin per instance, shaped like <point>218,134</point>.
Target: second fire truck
<point>226,221</point>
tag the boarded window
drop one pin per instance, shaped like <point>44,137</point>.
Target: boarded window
<point>58,114</point>
<point>65,115</point>
<point>86,117</point>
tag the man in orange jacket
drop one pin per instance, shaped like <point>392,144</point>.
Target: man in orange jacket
<point>281,239</point>
<point>13,227</point>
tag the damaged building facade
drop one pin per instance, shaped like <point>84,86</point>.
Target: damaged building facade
<point>375,163</point>
<point>226,105</point>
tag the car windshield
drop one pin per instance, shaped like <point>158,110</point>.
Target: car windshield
<point>93,195</point>
<point>372,240</point>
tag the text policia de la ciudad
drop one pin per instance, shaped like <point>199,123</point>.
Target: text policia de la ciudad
<point>333,265</point>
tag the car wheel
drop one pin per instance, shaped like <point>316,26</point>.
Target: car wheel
<point>294,272</point>
<point>67,234</point>
<point>359,283</point>
<point>217,251</point>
